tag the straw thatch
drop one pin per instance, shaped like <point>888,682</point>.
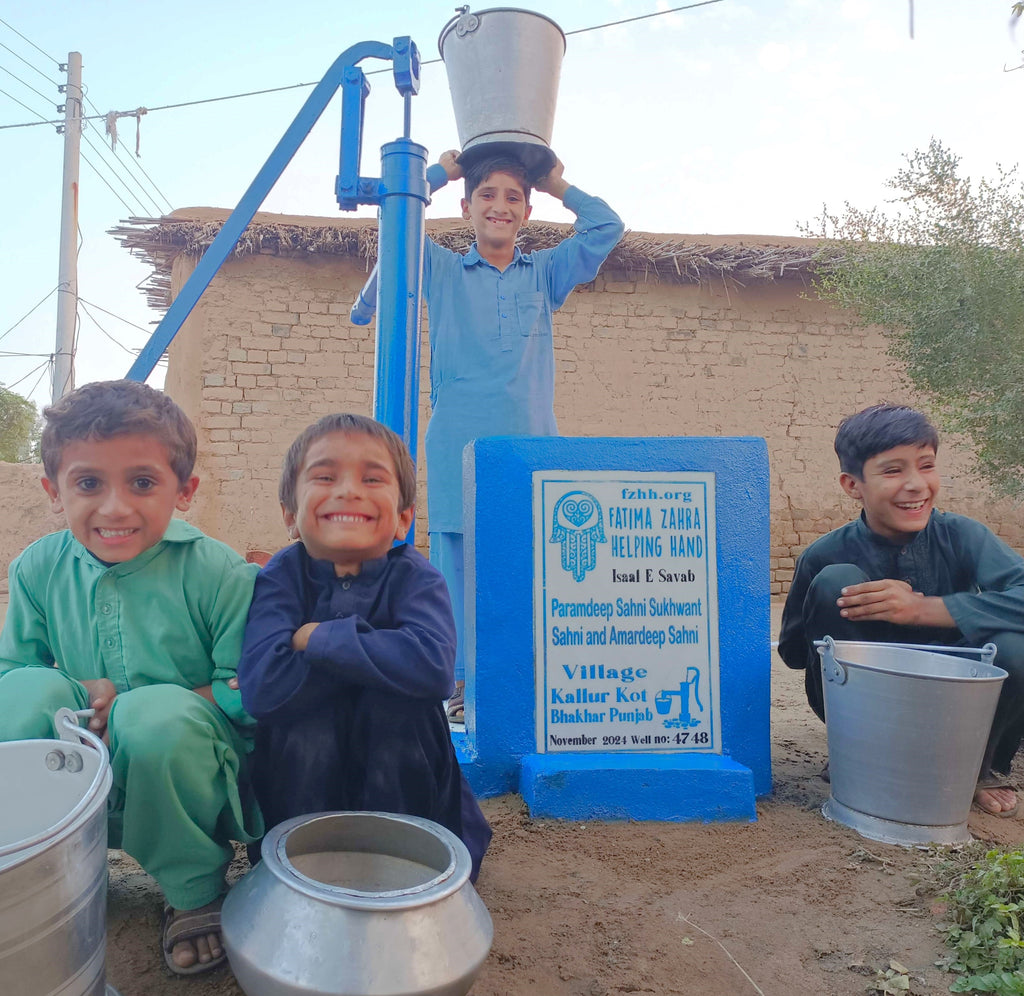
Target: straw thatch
<point>639,256</point>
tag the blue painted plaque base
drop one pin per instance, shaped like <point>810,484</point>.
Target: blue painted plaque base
<point>499,751</point>
<point>671,787</point>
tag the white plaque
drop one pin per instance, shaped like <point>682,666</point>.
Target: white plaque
<point>626,611</point>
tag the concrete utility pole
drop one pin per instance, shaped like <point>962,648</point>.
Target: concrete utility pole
<point>67,277</point>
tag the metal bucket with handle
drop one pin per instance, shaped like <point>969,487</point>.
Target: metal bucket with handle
<point>503,67</point>
<point>907,729</point>
<point>53,863</point>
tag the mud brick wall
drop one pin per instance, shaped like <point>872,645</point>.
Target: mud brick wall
<point>270,348</point>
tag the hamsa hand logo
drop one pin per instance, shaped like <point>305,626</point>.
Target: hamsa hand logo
<point>576,523</point>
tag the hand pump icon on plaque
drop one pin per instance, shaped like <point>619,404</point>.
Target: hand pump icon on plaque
<point>687,689</point>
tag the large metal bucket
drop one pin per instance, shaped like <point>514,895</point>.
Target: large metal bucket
<point>53,864</point>
<point>503,66</point>
<point>907,728</point>
<point>357,904</point>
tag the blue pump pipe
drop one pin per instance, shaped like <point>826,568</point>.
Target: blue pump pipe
<point>400,264</point>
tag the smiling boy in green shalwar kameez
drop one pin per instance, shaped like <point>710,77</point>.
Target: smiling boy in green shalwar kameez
<point>139,617</point>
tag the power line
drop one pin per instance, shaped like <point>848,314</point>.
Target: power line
<point>235,96</point>
<point>94,168</point>
<point>44,365</point>
<point>136,165</point>
<point>142,208</point>
<point>48,99</point>
<point>56,62</point>
<point>92,304</point>
<point>29,109</point>
<point>643,17</point>
<point>29,64</point>
<point>134,178</point>
<point>116,342</point>
<point>27,313</point>
<point>193,103</point>
<point>170,206</point>
<point>46,370</point>
<point>127,207</point>
<point>59,390</point>
<point>115,160</point>
<point>114,173</point>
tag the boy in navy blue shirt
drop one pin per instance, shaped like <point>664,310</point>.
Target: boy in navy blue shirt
<point>350,646</point>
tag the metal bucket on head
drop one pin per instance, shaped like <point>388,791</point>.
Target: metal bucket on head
<point>357,904</point>
<point>907,729</point>
<point>503,66</point>
<point>53,864</point>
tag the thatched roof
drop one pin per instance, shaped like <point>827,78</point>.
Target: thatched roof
<point>739,259</point>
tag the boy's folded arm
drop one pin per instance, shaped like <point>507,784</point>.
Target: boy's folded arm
<point>410,660</point>
<point>270,673</point>
<point>414,656</point>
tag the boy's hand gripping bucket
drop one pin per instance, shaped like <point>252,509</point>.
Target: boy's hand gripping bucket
<point>907,729</point>
<point>53,863</point>
<point>503,66</point>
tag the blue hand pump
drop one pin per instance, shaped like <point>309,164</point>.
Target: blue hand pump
<point>402,193</point>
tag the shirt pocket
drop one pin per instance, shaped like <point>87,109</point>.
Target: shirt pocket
<point>534,314</point>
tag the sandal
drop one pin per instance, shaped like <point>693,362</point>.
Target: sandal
<point>457,704</point>
<point>995,781</point>
<point>186,925</point>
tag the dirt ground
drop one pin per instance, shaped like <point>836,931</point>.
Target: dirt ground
<point>785,906</point>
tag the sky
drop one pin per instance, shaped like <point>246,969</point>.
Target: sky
<point>738,116</point>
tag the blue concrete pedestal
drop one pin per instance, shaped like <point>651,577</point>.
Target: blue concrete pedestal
<point>524,692</point>
<point>638,787</point>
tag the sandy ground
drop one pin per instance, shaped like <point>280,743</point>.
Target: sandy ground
<point>785,906</point>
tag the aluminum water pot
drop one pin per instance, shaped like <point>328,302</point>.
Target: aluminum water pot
<point>53,864</point>
<point>503,66</point>
<point>357,904</point>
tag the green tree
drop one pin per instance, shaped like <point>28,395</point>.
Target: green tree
<point>19,428</point>
<point>942,272</point>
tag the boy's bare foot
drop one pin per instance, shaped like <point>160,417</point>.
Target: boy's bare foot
<point>997,801</point>
<point>191,939</point>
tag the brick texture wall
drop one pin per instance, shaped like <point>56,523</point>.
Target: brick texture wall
<point>269,349</point>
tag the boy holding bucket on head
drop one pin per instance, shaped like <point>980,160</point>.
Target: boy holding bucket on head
<point>139,617</point>
<point>492,364</point>
<point>905,572</point>
<point>350,647</point>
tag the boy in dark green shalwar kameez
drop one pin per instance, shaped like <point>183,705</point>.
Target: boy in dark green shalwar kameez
<point>904,572</point>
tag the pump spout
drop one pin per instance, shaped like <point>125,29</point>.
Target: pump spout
<point>365,306</point>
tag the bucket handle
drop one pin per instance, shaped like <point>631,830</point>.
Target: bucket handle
<point>836,671</point>
<point>65,722</point>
